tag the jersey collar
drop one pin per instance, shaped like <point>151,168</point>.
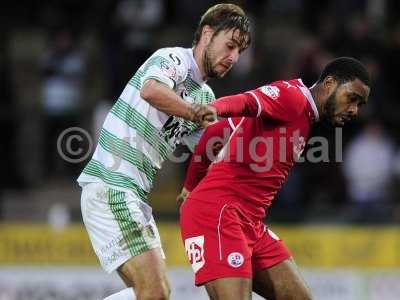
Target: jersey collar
<point>305,90</point>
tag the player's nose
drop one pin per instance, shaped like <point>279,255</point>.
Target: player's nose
<point>234,55</point>
<point>353,109</point>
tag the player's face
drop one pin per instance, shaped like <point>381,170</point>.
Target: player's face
<point>343,103</point>
<point>221,53</point>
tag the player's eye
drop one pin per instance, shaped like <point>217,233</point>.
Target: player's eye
<point>353,99</point>
<point>360,104</point>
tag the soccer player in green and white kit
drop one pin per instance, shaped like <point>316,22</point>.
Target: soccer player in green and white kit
<point>156,111</point>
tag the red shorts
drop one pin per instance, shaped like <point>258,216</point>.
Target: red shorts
<point>221,241</point>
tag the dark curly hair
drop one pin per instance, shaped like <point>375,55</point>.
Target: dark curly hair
<point>345,69</point>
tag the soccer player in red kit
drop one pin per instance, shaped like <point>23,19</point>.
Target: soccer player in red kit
<point>231,250</point>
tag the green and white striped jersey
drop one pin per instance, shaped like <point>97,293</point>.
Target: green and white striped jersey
<point>136,137</point>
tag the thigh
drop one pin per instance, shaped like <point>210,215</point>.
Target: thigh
<point>229,289</point>
<point>145,272</point>
<point>269,250</point>
<point>281,282</point>
<point>214,241</point>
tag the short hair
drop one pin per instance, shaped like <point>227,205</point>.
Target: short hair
<point>225,16</point>
<point>345,69</point>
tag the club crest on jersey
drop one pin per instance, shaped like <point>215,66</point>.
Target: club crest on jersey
<point>169,70</point>
<point>235,259</point>
<point>271,91</point>
<point>194,247</point>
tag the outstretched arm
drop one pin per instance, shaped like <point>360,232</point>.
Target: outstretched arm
<point>240,105</point>
<point>275,101</point>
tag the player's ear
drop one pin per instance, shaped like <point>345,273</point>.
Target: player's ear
<point>207,34</point>
<point>330,84</point>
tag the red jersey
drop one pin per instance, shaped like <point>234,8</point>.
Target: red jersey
<point>263,145</point>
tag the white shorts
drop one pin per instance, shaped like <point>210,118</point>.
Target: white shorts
<point>120,226</point>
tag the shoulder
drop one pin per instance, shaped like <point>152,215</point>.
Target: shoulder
<point>287,92</point>
<point>177,55</point>
<point>288,89</point>
<point>174,59</point>
<point>171,53</point>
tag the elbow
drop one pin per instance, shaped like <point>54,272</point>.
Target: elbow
<point>147,89</point>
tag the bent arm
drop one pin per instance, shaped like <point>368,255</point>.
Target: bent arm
<point>164,99</point>
<point>277,101</point>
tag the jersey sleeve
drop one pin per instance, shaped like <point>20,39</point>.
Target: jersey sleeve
<point>279,101</point>
<point>240,105</point>
<point>166,65</point>
<point>211,142</point>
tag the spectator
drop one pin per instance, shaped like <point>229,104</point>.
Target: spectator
<point>63,69</point>
<point>368,169</point>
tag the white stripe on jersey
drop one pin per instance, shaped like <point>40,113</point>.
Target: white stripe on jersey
<point>133,120</point>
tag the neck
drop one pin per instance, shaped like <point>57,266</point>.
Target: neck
<point>198,55</point>
<point>317,94</point>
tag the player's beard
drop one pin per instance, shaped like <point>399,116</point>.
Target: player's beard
<point>208,63</point>
<point>330,107</point>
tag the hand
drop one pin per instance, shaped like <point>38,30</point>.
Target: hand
<point>209,116</point>
<point>182,196</point>
<point>203,114</point>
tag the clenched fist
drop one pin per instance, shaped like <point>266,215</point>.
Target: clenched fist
<point>203,114</point>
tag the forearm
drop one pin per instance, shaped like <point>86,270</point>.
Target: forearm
<point>165,100</point>
<point>241,105</point>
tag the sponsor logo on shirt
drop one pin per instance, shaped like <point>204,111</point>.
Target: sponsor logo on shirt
<point>194,247</point>
<point>235,259</point>
<point>271,91</point>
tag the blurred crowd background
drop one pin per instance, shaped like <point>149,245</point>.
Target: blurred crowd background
<point>63,64</point>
